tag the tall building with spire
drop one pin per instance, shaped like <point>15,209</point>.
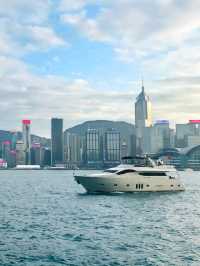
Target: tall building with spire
<point>143,119</point>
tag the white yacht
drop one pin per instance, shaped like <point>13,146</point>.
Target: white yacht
<point>143,174</point>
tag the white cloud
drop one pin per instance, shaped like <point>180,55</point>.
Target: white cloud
<point>26,11</point>
<point>87,26</point>
<point>68,5</point>
<point>44,37</point>
<point>25,27</point>
<point>163,36</point>
<point>141,30</point>
<point>26,95</point>
<point>71,5</point>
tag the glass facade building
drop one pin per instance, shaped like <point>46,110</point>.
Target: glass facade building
<point>93,147</point>
<point>112,146</point>
<point>56,141</point>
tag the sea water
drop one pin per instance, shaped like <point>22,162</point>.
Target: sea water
<point>47,219</point>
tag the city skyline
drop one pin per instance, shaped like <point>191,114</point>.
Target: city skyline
<point>82,60</point>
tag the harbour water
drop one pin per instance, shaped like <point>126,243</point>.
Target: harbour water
<point>47,219</point>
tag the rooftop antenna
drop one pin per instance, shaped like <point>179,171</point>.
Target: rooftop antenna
<point>142,84</point>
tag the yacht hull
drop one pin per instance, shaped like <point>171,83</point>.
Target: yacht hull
<point>136,183</point>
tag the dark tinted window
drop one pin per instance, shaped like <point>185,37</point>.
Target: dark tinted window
<point>152,174</point>
<point>126,171</point>
<point>110,171</point>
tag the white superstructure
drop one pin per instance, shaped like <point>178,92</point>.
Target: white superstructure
<point>132,178</point>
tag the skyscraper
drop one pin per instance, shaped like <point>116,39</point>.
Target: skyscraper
<point>93,148</point>
<point>73,148</point>
<point>56,141</point>
<point>20,154</point>
<point>112,145</point>
<point>36,154</point>
<point>143,118</point>
<point>6,148</point>
<point>27,140</point>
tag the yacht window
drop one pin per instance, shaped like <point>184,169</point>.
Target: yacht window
<point>148,185</point>
<point>139,186</point>
<point>128,185</point>
<point>126,171</point>
<point>110,171</point>
<point>115,185</point>
<point>152,174</point>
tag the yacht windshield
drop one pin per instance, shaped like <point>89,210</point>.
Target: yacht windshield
<point>110,171</point>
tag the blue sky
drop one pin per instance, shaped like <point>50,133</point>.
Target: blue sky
<point>84,59</point>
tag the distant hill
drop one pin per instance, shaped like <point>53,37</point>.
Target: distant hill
<point>125,129</point>
<point>7,135</point>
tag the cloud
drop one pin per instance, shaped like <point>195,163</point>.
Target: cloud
<point>141,30</point>
<point>26,95</point>
<point>161,36</point>
<point>25,27</point>
<point>70,5</point>
<point>26,11</point>
<point>87,26</point>
<point>44,37</point>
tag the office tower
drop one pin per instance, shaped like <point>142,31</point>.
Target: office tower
<point>73,148</point>
<point>187,135</point>
<point>36,154</point>
<point>182,133</point>
<point>124,149</point>
<point>162,130</point>
<point>56,141</point>
<point>194,127</point>
<point>20,153</point>
<point>157,137</point>
<point>112,147</point>
<point>12,159</point>
<point>27,140</point>
<point>143,118</point>
<point>14,139</point>
<point>46,156</point>
<point>93,147</point>
<point>132,145</point>
<point>6,148</point>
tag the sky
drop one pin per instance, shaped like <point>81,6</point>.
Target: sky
<point>84,60</point>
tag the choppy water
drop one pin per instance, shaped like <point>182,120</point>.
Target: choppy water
<point>47,219</point>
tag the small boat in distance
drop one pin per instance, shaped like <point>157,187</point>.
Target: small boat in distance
<point>142,174</point>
